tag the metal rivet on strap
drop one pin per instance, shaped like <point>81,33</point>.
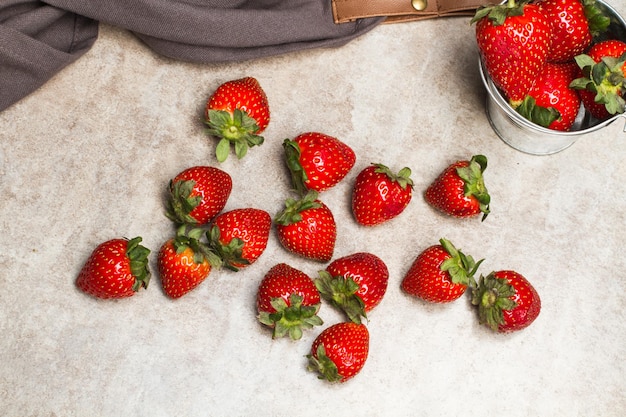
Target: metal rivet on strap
<point>419,5</point>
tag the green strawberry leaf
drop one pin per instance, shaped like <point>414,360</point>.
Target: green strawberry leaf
<point>605,79</point>
<point>474,183</point>
<point>461,267</point>
<point>498,13</point>
<point>138,258</point>
<point>492,296</point>
<point>292,159</point>
<point>341,293</point>
<point>291,213</point>
<point>323,365</point>
<point>180,202</point>
<point>597,20</point>
<point>236,128</point>
<point>539,115</point>
<point>290,319</point>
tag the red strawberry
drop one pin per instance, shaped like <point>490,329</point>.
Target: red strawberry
<point>602,84</point>
<point>355,284</point>
<point>440,274</point>
<point>307,228</point>
<point>570,29</point>
<point>460,189</point>
<point>184,262</point>
<point>340,351</point>
<point>551,102</point>
<point>116,268</point>
<point>380,195</point>
<point>240,236</point>
<point>237,113</point>
<point>506,301</point>
<point>317,161</point>
<point>513,40</point>
<point>288,302</point>
<point>198,194</point>
<point>574,23</point>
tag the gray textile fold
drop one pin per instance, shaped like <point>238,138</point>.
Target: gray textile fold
<point>38,39</point>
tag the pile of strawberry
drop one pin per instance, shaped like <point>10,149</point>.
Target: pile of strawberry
<point>288,300</point>
<point>552,59</point>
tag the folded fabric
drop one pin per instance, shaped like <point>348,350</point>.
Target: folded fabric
<point>38,39</point>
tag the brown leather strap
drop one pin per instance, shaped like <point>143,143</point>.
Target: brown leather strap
<point>404,10</point>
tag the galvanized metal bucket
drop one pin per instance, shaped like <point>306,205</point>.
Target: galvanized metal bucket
<point>525,136</point>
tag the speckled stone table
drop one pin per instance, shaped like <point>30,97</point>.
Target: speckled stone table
<point>88,156</point>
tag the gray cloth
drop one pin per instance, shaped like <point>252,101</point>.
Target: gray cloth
<point>38,39</point>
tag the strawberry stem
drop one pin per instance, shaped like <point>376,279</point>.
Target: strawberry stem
<point>293,208</point>
<point>605,79</point>
<point>292,159</point>
<point>341,293</point>
<point>138,257</point>
<point>492,296</point>
<point>461,267</point>
<point>290,319</point>
<point>236,128</point>
<point>403,177</point>
<point>322,364</point>
<point>230,254</point>
<point>180,202</point>
<point>474,183</point>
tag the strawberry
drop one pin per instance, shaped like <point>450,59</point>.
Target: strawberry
<point>237,113</point>
<point>317,161</point>
<point>514,41</point>
<point>339,352</point>
<point>380,195</point>
<point>288,301</point>
<point>117,268</point>
<point>184,262</point>
<point>551,102</point>
<point>506,301</point>
<point>307,228</point>
<point>197,194</point>
<point>354,284</point>
<point>240,236</point>
<point>602,83</point>
<point>570,29</point>
<point>440,273</point>
<point>460,190</point>
<point>574,23</point>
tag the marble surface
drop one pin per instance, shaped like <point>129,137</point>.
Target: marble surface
<point>87,158</point>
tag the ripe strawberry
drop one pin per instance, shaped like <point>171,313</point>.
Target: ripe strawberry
<point>551,102</point>
<point>116,268</point>
<point>340,351</point>
<point>354,284</point>
<point>380,195</point>
<point>460,189</point>
<point>513,40</point>
<point>184,262</point>
<point>440,274</point>
<point>198,194</point>
<point>240,236</point>
<point>602,84</point>
<point>570,29</point>
<point>288,301</point>
<point>574,24</point>
<point>506,301</point>
<point>307,228</point>
<point>237,112</point>
<point>317,161</point>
